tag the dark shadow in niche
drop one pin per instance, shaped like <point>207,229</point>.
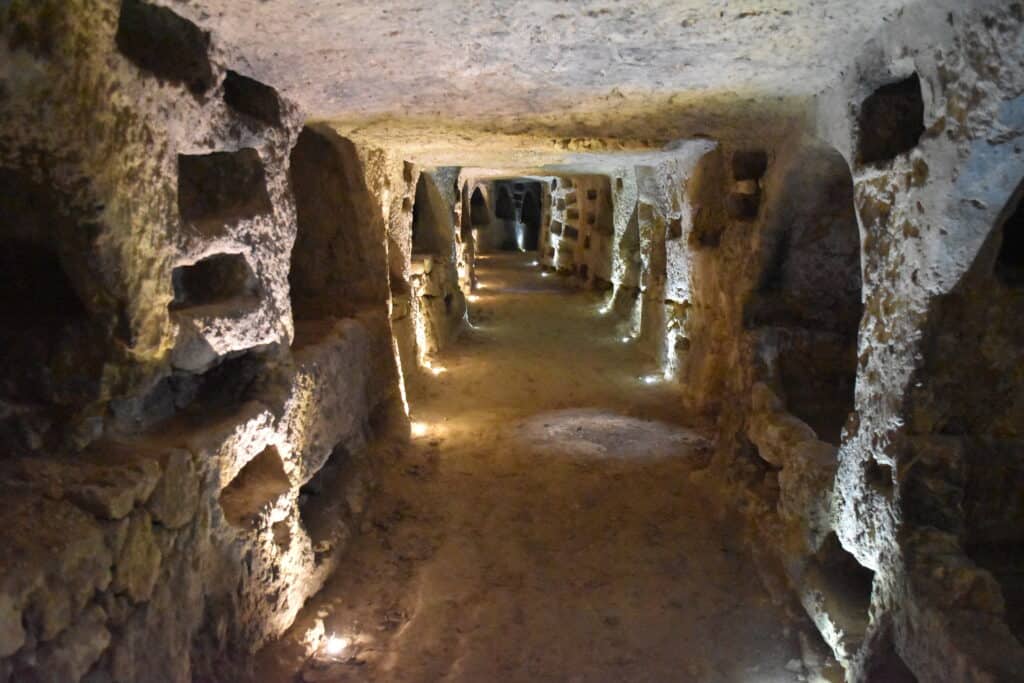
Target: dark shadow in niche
<point>531,213</point>
<point>845,586</point>
<point>221,188</point>
<point>429,219</point>
<point>886,665</point>
<point>40,312</point>
<point>891,121</point>
<point>1005,562</point>
<point>1010,262</point>
<point>218,279</point>
<point>60,322</point>
<point>255,100</point>
<point>256,486</point>
<point>161,42</point>
<point>339,264</point>
<point>323,508</point>
<point>505,208</point>
<point>186,398</point>
<point>810,288</point>
<point>973,405</point>
<point>479,215</point>
<point>749,164</point>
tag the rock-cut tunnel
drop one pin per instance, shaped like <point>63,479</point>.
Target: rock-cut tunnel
<point>538,341</point>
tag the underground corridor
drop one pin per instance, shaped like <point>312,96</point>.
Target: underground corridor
<point>550,342</point>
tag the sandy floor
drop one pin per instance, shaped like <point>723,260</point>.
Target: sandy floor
<point>544,528</point>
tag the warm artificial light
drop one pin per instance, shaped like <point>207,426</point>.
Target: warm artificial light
<point>336,645</point>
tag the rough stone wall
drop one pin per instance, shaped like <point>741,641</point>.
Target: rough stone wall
<point>747,257</point>
<point>108,159</point>
<point>930,213</point>
<point>186,473</point>
<point>594,247</point>
<point>439,305</point>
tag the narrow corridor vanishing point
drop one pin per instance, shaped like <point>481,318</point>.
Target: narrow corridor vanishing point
<point>548,340</point>
<point>543,526</point>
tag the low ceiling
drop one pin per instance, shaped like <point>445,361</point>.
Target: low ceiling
<point>641,72</point>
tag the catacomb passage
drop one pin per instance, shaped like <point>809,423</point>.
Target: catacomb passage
<point>542,341</point>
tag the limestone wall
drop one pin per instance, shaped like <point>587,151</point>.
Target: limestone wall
<point>184,460</point>
<point>932,205</point>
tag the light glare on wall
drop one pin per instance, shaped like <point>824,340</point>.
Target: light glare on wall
<point>419,429</point>
<point>335,645</point>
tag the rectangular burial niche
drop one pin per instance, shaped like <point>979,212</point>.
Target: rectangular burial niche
<point>171,48</point>
<point>256,101</point>
<point>221,188</point>
<point>218,279</point>
<point>322,504</point>
<point>196,397</point>
<point>256,486</point>
<point>891,121</point>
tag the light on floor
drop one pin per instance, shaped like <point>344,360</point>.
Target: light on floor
<point>545,274</point>
<point>437,369</point>
<point>335,646</point>
<point>534,263</point>
<point>651,379</point>
<point>419,429</point>
<point>626,340</point>
<point>472,298</point>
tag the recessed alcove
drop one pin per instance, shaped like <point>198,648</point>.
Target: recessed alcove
<point>323,509</point>
<point>429,224</point>
<point>479,215</point>
<point>846,586</point>
<point>225,279</point>
<point>338,263</point>
<point>810,289</point>
<point>505,207</point>
<point>219,189</point>
<point>59,322</point>
<point>891,121</point>
<point>257,486</point>
<point>1010,262</point>
<point>256,101</point>
<point>165,45</point>
<point>749,164</point>
<point>531,217</point>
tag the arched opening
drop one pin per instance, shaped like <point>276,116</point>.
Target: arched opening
<point>478,212</point>
<point>429,223</point>
<point>531,220</point>
<point>338,265</point>
<point>891,121</point>
<point>57,324</point>
<point>810,288</point>
<point>505,207</point>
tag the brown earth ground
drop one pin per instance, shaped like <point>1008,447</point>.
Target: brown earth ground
<point>544,527</point>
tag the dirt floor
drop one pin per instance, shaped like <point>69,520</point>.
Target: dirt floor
<point>543,527</point>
